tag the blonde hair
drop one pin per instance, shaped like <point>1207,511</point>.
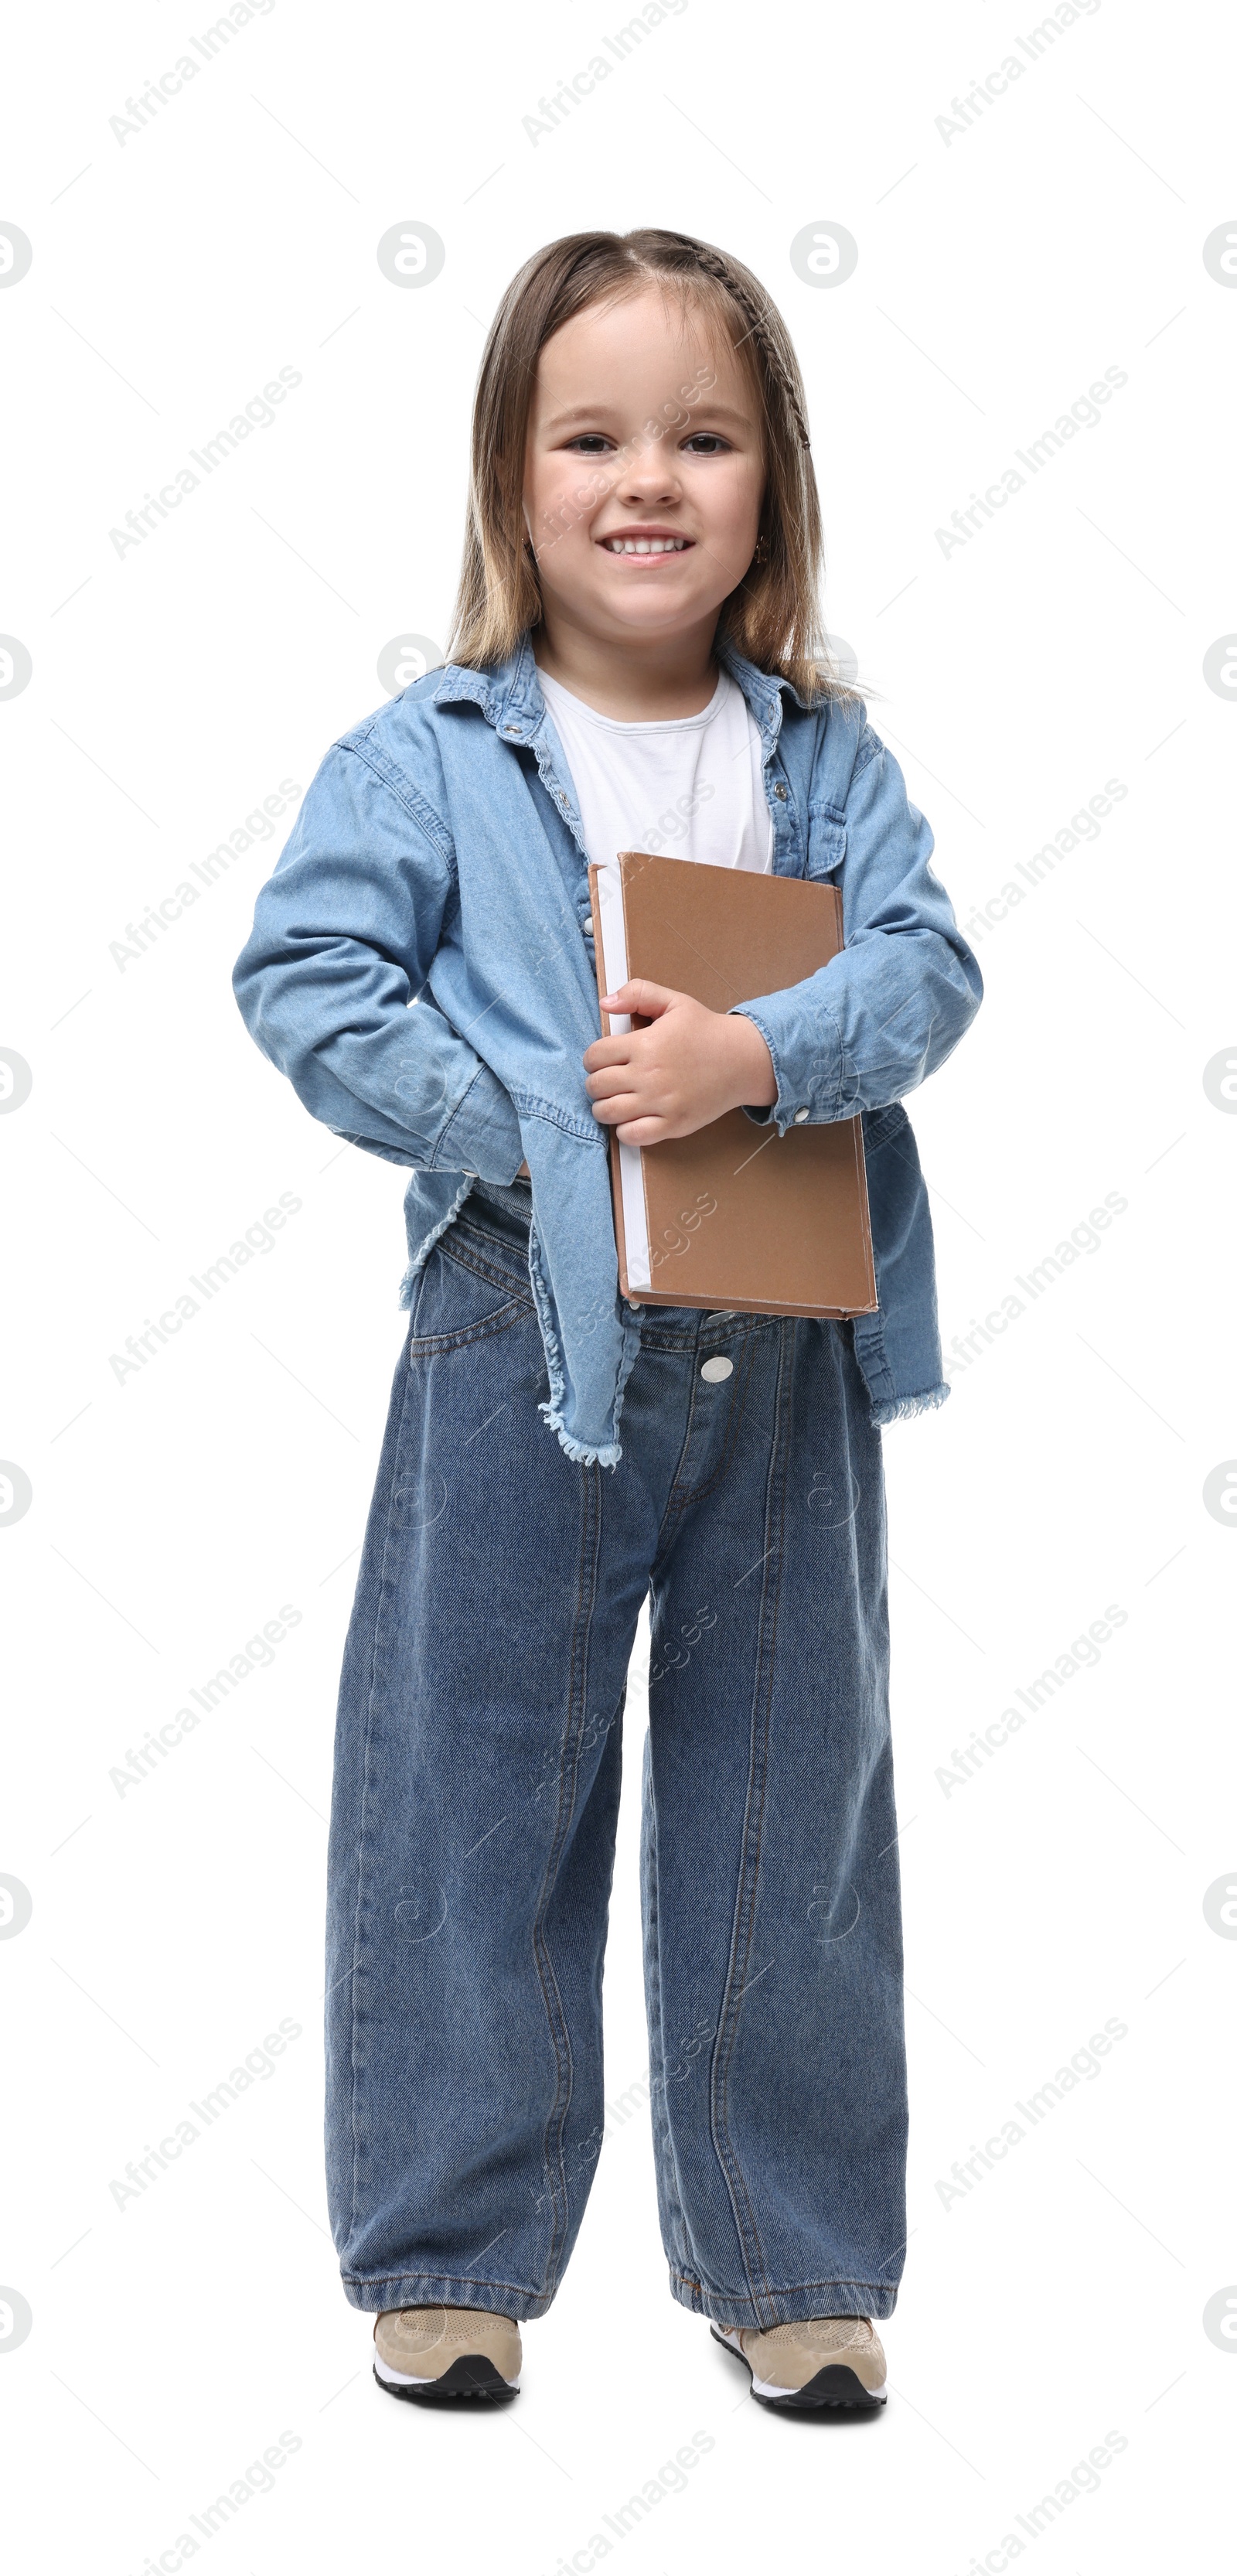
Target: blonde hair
<point>772,616</point>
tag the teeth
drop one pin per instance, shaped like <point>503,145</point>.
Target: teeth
<point>646,545</point>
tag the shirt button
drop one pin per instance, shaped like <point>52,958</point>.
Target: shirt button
<point>800,1115</point>
<point>512,729</point>
<point>588,923</point>
<point>779,790</point>
<point>717,1369</point>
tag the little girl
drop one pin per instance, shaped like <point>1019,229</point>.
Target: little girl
<point>634,666</point>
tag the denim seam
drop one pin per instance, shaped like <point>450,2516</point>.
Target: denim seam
<point>871,748</point>
<point>408,1289</point>
<point>782,2290</point>
<point>415,806</point>
<point>663,2137</point>
<point>514,1290</point>
<point>697,1493</point>
<point>737,1328</point>
<point>666,1526</point>
<point>627,1362</point>
<point>569,1758</point>
<point>382,1588</point>
<point>529,1105</point>
<point>753,1835</point>
<point>834,2281</point>
<point>464,2280</point>
<point>433,1346</point>
<point>494,1272</point>
<point>473,1226</point>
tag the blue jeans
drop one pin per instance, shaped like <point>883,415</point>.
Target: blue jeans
<point>476,1794</point>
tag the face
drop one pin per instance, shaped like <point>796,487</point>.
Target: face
<point>644,471</point>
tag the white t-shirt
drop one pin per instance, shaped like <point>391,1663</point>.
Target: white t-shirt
<point>689,789</point>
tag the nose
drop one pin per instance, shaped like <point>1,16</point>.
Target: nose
<point>652,476</point>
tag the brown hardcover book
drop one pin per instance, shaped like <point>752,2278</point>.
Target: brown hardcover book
<point>733,1218</point>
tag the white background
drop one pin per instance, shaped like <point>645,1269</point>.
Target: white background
<point>1000,272</point>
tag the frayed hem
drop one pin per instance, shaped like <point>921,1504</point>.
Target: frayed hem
<point>415,1267</point>
<point>903,1408</point>
<point>631,1353</point>
<point>575,1449</point>
<point>549,1338</point>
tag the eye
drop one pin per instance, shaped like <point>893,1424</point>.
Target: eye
<point>706,442</point>
<point>591,442</point>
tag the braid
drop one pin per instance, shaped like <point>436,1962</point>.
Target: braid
<point>715,265</point>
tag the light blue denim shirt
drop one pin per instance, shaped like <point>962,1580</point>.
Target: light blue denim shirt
<point>438,860</point>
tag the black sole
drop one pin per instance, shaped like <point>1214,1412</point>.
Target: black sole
<point>836,2385</point>
<point>471,2377</point>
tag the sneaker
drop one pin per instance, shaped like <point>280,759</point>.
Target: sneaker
<point>824,2361</point>
<point>433,2354</point>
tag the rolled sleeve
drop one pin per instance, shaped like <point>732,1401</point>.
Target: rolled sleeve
<point>892,1005</point>
<point>807,1065</point>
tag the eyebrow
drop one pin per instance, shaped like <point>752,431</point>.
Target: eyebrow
<point>601,411</point>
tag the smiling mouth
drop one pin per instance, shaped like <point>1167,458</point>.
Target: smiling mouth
<point>645,545</point>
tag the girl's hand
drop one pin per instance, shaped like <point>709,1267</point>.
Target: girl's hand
<point>687,1069</point>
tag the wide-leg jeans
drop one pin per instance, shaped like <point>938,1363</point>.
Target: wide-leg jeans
<point>476,1795</point>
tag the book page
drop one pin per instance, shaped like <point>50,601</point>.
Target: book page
<point>631,1168</point>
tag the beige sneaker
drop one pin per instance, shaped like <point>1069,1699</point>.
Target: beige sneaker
<point>824,2361</point>
<point>430,2354</point>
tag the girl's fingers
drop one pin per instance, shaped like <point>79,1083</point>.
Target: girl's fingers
<point>606,1051</point>
<point>631,1124</point>
<point>611,1078</point>
<point>648,1000</point>
<point>613,1106</point>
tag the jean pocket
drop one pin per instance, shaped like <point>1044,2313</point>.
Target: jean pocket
<point>465,1296</point>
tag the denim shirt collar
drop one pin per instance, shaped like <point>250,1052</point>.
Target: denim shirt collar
<point>509,695</point>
